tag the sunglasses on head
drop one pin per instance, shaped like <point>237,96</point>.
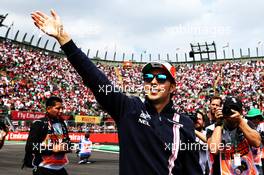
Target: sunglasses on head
<point>161,78</point>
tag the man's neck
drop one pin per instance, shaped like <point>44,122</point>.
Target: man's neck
<point>160,106</point>
<point>51,118</point>
<point>200,129</point>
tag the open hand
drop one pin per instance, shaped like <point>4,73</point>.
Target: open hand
<point>2,134</point>
<point>50,25</point>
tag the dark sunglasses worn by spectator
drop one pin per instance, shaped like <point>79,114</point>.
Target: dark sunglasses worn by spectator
<point>161,78</point>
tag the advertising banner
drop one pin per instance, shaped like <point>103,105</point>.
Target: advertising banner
<point>75,137</point>
<point>24,115</point>
<point>87,119</point>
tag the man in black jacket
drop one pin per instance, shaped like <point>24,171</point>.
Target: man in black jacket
<point>3,133</point>
<point>48,142</point>
<point>150,133</point>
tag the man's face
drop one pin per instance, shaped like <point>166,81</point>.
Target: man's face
<point>199,124</point>
<point>214,105</point>
<point>158,91</point>
<point>230,122</point>
<point>56,110</point>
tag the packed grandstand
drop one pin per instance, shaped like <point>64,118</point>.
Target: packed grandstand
<point>28,76</point>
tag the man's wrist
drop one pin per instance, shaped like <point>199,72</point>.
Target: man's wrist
<point>63,37</point>
<point>240,123</point>
<point>219,122</point>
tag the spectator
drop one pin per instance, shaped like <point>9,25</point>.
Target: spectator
<point>231,139</point>
<point>256,117</point>
<point>85,149</point>
<point>48,141</point>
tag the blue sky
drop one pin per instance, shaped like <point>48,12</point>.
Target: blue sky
<point>154,26</point>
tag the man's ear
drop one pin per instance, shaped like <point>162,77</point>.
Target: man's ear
<point>48,108</point>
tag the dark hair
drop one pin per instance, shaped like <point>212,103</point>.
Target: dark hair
<point>204,117</point>
<point>199,111</point>
<point>87,135</point>
<point>216,98</point>
<point>52,101</point>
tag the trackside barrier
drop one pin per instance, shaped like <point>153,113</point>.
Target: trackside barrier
<point>75,137</point>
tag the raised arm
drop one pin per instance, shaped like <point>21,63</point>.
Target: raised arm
<point>252,136</point>
<point>201,136</point>
<point>106,94</point>
<point>215,140</point>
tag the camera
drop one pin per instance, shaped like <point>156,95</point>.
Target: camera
<point>230,103</point>
<point>227,111</point>
<point>262,135</point>
<point>194,115</point>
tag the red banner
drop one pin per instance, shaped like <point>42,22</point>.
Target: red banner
<point>75,137</point>
<point>23,115</point>
<point>17,136</point>
<point>19,115</point>
<point>104,138</point>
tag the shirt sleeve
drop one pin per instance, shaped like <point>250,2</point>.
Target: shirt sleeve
<point>108,96</point>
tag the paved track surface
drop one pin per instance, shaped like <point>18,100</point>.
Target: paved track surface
<point>105,163</point>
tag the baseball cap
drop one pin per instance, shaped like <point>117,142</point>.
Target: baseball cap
<point>254,112</point>
<point>160,64</point>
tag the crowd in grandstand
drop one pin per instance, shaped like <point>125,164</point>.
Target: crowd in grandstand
<point>29,76</point>
<point>196,81</point>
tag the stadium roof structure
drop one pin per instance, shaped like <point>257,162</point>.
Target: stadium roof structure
<point>204,51</point>
<point>2,18</point>
<point>200,53</point>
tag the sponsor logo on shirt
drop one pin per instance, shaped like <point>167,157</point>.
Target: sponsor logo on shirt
<point>144,118</point>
